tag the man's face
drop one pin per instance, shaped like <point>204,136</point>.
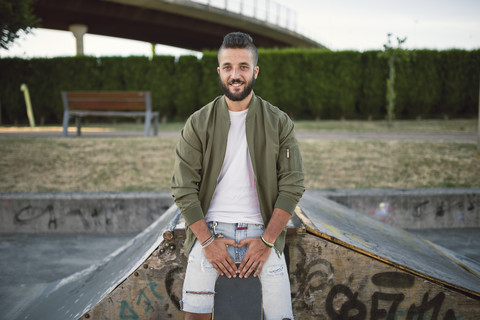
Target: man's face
<point>237,72</point>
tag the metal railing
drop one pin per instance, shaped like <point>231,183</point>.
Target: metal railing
<point>263,10</point>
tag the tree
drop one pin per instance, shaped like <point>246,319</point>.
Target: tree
<point>16,16</point>
<point>391,53</point>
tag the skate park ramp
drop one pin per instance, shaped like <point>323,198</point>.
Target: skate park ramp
<point>342,265</point>
<point>391,245</point>
<point>73,296</point>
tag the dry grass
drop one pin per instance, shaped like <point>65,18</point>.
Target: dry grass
<point>445,126</point>
<point>115,164</point>
<point>390,164</point>
<point>134,164</point>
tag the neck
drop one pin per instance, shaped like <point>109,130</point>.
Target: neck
<point>239,105</point>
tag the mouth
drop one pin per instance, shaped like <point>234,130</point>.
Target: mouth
<point>236,83</point>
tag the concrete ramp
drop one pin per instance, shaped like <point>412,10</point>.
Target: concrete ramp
<point>72,297</point>
<point>360,268</point>
<point>342,265</point>
<point>388,244</point>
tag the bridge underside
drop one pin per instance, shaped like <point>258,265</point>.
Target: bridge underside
<point>175,23</point>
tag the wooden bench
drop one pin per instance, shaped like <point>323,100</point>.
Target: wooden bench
<point>79,104</point>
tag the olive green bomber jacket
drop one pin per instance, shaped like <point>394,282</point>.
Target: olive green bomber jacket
<point>274,153</point>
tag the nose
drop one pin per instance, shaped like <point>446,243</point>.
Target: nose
<point>236,73</point>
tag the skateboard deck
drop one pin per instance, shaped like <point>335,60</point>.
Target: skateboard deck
<point>238,299</point>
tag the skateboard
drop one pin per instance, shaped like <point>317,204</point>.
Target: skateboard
<point>238,299</point>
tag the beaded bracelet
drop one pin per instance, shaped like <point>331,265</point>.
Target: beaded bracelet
<point>208,241</point>
<point>268,244</point>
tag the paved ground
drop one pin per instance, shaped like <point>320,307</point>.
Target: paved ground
<point>30,262</point>
<point>301,134</point>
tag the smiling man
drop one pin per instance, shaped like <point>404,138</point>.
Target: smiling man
<point>238,177</point>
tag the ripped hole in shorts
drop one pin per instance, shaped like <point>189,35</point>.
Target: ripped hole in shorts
<point>200,292</point>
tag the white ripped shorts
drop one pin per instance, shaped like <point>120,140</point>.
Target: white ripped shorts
<point>201,275</point>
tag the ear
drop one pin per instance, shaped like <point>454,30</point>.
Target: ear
<point>256,70</point>
<point>218,70</point>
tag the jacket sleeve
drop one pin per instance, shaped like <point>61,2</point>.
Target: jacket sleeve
<point>290,172</point>
<point>187,174</point>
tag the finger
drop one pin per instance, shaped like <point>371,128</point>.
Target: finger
<point>244,271</point>
<point>251,269</point>
<point>259,269</point>
<point>241,243</point>
<point>224,270</point>
<point>244,242</point>
<point>229,242</point>
<point>241,266</point>
<point>220,272</point>
<point>232,267</point>
<point>227,265</point>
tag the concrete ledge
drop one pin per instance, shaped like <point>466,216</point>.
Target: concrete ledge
<point>414,208</point>
<point>103,212</point>
<point>126,212</point>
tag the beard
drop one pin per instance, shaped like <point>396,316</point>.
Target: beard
<point>239,96</point>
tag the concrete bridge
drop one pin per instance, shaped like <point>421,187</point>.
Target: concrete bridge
<point>179,23</point>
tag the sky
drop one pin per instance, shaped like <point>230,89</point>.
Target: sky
<point>338,24</point>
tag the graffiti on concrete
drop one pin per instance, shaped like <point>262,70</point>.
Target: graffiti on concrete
<point>311,276</point>
<point>425,208</point>
<point>104,217</point>
<point>324,287</point>
<point>29,214</point>
<point>382,213</point>
<point>144,302</point>
<point>96,216</point>
<point>174,280</point>
<point>385,305</point>
<point>418,211</point>
<point>153,291</point>
<point>352,308</point>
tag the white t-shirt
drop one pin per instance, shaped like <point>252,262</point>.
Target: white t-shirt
<point>235,199</point>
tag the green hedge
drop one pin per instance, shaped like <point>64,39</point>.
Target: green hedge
<point>305,83</point>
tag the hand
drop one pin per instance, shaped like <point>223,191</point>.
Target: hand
<point>217,254</point>
<point>256,256</point>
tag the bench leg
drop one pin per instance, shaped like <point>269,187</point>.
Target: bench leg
<point>78,122</point>
<point>148,122</point>
<point>155,127</point>
<point>66,118</point>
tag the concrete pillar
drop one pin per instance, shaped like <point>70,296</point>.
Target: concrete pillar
<point>79,31</point>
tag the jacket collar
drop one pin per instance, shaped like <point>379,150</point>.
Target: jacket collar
<point>252,107</point>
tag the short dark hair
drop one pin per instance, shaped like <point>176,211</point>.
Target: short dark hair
<point>239,40</point>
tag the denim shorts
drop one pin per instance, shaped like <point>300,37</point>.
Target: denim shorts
<point>201,276</point>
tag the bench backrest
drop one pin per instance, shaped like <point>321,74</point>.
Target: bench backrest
<point>107,100</point>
